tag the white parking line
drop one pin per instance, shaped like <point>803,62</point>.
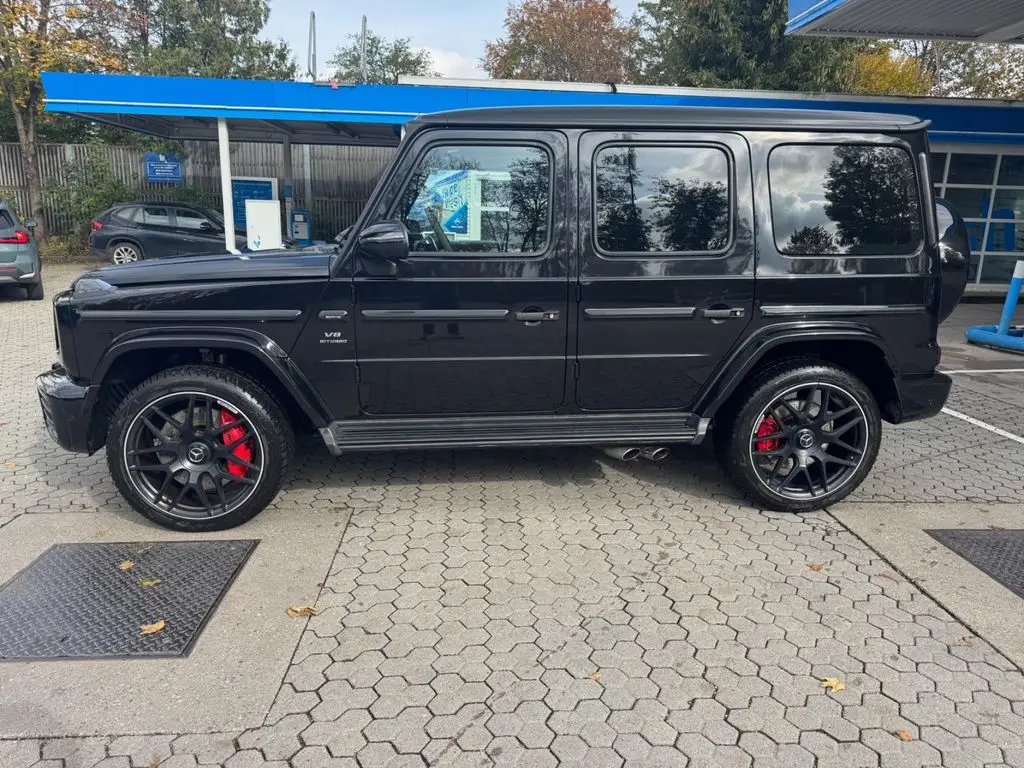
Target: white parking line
<point>983,425</point>
<point>969,371</point>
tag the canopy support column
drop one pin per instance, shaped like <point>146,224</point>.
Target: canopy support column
<point>225,185</point>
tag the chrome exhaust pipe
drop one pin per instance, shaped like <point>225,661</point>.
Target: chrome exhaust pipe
<point>624,453</point>
<point>655,453</point>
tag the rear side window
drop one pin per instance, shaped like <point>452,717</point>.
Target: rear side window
<point>126,214</point>
<point>672,200</point>
<point>844,199</point>
<point>6,222</point>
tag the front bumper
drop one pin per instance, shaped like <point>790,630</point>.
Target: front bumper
<point>67,409</point>
<point>922,397</point>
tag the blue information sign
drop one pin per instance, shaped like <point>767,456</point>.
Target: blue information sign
<point>250,189</point>
<point>163,169</point>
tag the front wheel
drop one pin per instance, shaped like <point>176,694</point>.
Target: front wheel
<point>125,253</point>
<point>199,448</point>
<point>804,436</point>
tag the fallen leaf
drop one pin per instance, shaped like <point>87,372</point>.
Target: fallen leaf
<point>127,565</point>
<point>101,533</point>
<point>596,675</point>
<point>297,611</point>
<point>149,582</point>
<point>10,465</point>
<point>905,735</point>
<point>834,684</point>
<point>816,567</point>
<point>154,762</point>
<point>152,629</point>
<point>963,642</point>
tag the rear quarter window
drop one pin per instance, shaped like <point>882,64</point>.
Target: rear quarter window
<point>844,200</point>
<point>6,222</point>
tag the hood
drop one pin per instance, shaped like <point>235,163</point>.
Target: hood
<point>266,265</point>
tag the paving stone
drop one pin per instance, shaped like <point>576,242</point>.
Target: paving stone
<point>208,748</point>
<point>19,754</point>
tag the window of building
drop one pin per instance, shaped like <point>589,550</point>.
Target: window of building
<point>856,200</point>
<point>987,189</point>
<point>657,199</point>
<point>483,199</point>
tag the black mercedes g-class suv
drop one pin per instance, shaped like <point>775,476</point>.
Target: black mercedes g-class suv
<point>629,277</point>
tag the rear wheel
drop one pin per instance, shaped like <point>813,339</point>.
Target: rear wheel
<point>199,448</point>
<point>125,253</point>
<point>805,435</point>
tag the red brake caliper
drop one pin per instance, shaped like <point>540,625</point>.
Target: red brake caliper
<point>768,426</point>
<point>242,450</point>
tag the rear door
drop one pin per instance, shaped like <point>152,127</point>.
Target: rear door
<point>666,281</point>
<point>156,231</point>
<point>475,320</point>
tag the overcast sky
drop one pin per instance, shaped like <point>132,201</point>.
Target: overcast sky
<point>453,30</point>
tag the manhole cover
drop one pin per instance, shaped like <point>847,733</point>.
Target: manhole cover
<point>1000,554</point>
<point>78,601</point>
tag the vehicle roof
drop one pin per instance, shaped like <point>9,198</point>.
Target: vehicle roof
<point>157,202</point>
<point>672,116</point>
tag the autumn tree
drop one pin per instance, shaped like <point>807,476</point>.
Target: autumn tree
<point>386,60</point>
<point>738,44</point>
<point>567,40</point>
<point>885,69</point>
<point>37,35</point>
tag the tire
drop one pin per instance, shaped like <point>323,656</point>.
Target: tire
<point>125,253</point>
<point>187,474</point>
<point>35,291</point>
<point>780,450</point>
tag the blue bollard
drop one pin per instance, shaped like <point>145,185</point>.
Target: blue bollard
<point>1003,336</point>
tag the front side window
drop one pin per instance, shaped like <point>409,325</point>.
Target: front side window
<point>156,217</point>
<point>844,200</point>
<point>656,199</point>
<point>189,219</point>
<point>483,199</point>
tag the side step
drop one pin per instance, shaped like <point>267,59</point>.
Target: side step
<point>499,431</point>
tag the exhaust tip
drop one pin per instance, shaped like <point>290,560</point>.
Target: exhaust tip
<point>626,453</point>
<point>659,453</point>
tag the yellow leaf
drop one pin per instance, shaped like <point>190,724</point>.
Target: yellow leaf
<point>9,465</point>
<point>905,735</point>
<point>963,642</point>
<point>834,684</point>
<point>101,533</point>
<point>149,582</point>
<point>816,567</point>
<point>152,629</point>
<point>297,611</point>
<point>596,675</point>
<point>127,565</point>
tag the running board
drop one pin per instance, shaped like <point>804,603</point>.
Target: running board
<point>507,431</point>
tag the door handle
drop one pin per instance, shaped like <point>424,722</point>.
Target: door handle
<point>537,317</point>
<point>723,314</point>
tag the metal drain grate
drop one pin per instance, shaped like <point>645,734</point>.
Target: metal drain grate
<point>1000,554</point>
<point>76,602</point>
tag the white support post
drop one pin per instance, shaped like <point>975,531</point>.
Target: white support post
<point>289,183</point>
<point>307,170</point>
<point>225,185</point>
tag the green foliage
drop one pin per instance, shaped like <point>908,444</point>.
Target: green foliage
<point>738,44</point>
<point>386,60</point>
<point>204,38</point>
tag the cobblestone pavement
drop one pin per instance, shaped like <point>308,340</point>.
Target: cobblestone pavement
<point>554,607</point>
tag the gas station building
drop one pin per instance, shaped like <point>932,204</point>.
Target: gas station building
<point>977,145</point>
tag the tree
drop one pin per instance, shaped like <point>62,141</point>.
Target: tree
<point>203,38</point>
<point>886,69</point>
<point>738,44</point>
<point>979,70</point>
<point>386,60</point>
<point>692,215</point>
<point>37,35</point>
<point>620,222</point>
<point>568,40</point>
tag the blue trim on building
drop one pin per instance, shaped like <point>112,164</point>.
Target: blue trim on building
<point>803,13</point>
<point>953,120</point>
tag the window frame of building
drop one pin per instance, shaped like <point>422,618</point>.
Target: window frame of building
<point>942,185</point>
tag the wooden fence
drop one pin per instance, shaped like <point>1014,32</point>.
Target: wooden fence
<point>341,178</point>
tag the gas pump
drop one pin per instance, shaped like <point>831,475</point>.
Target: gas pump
<point>300,226</point>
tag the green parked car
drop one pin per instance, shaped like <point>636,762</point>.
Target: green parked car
<point>19,258</point>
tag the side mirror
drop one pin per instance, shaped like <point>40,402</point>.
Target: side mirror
<point>385,241</point>
<point>30,223</point>
<point>206,226</point>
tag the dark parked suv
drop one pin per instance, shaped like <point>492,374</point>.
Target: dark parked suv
<point>628,278</point>
<point>129,232</point>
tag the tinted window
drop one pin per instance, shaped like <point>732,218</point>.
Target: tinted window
<point>845,199</point>
<point>490,199</point>
<point>189,219</point>
<point>971,169</point>
<point>155,216</point>
<point>6,222</point>
<point>938,166</point>
<point>1011,170</point>
<point>662,199</point>
<point>127,214</point>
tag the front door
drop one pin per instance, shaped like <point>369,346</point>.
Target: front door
<point>197,233</point>
<point>475,320</point>
<point>666,265</point>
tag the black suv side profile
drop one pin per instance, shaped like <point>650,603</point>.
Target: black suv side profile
<point>129,232</point>
<point>629,278</point>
